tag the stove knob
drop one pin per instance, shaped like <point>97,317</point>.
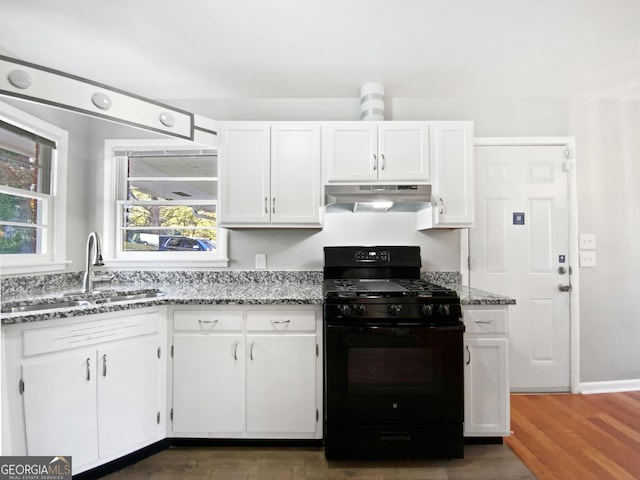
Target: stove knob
<point>426,310</point>
<point>361,310</point>
<point>394,309</point>
<point>444,309</point>
<point>345,310</point>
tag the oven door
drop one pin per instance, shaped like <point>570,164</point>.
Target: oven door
<point>394,373</point>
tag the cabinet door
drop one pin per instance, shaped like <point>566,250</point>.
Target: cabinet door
<point>281,383</point>
<point>244,168</point>
<point>404,151</point>
<point>295,174</point>
<point>351,152</point>
<point>208,383</point>
<point>60,407</point>
<point>486,387</point>
<point>453,180</point>
<point>128,395</point>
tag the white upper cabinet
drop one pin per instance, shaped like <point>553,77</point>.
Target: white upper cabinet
<point>452,191</point>
<point>295,174</point>
<point>350,151</point>
<point>373,152</point>
<point>244,160</point>
<point>270,175</point>
<point>404,152</point>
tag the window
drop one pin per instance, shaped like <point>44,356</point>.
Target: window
<point>32,194</point>
<point>165,205</point>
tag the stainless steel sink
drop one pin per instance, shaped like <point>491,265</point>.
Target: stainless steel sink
<point>126,298</point>
<point>47,306</point>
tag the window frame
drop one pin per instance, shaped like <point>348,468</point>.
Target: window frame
<point>112,253</point>
<point>55,203</point>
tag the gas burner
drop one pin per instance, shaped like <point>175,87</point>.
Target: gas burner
<point>342,284</point>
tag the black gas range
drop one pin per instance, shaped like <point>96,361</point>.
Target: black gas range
<point>393,357</point>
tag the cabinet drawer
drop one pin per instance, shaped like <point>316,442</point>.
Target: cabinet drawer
<point>485,321</point>
<point>282,320</point>
<point>207,320</point>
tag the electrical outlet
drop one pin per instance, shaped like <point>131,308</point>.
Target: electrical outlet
<point>587,258</point>
<point>261,261</point>
<point>587,241</point>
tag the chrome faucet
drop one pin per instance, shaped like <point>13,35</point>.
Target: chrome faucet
<point>93,247</point>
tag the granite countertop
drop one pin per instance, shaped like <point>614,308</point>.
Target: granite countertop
<point>238,290</point>
<point>475,296</point>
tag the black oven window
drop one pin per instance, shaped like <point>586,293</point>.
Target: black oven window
<point>380,369</point>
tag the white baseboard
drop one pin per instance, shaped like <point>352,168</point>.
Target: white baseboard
<point>609,387</point>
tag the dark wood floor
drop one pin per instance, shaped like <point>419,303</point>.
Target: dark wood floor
<point>481,462</point>
<point>581,437</point>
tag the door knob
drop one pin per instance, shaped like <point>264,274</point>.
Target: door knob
<point>564,288</point>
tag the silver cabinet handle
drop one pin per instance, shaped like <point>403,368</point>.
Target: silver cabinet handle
<point>251,349</point>
<point>266,205</point>
<point>88,369</point>
<point>211,323</point>
<point>280,322</point>
<point>273,205</point>
<point>486,322</point>
<point>441,202</point>
<point>104,365</point>
<point>469,353</point>
<point>235,350</point>
<point>564,288</point>
<point>384,162</point>
<point>375,162</point>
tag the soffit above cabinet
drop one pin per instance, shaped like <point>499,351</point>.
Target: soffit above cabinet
<point>28,81</point>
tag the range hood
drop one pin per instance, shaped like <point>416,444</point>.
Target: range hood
<point>378,198</point>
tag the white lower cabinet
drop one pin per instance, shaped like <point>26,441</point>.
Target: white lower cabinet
<point>486,376</point>
<point>247,372</point>
<point>96,401</point>
<point>61,407</point>
<point>208,372</point>
<point>128,395</point>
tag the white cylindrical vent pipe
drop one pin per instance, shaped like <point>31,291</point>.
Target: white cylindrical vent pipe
<point>372,101</point>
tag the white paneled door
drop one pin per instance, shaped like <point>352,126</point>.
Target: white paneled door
<point>520,247</point>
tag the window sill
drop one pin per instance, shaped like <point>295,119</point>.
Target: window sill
<point>169,264</point>
<point>25,268</point>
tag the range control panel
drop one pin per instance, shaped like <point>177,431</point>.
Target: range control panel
<point>368,256</point>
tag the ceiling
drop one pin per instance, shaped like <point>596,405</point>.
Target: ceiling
<point>221,49</point>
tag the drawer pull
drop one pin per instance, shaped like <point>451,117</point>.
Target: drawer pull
<point>235,350</point>
<point>251,349</point>
<point>212,323</point>
<point>88,369</point>
<point>485,322</point>
<point>104,365</point>
<point>280,322</point>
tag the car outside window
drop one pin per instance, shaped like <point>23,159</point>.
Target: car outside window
<point>166,205</point>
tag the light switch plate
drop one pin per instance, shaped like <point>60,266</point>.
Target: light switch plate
<point>587,258</point>
<point>261,261</point>
<point>587,241</point>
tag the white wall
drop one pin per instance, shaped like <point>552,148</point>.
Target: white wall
<point>302,249</point>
